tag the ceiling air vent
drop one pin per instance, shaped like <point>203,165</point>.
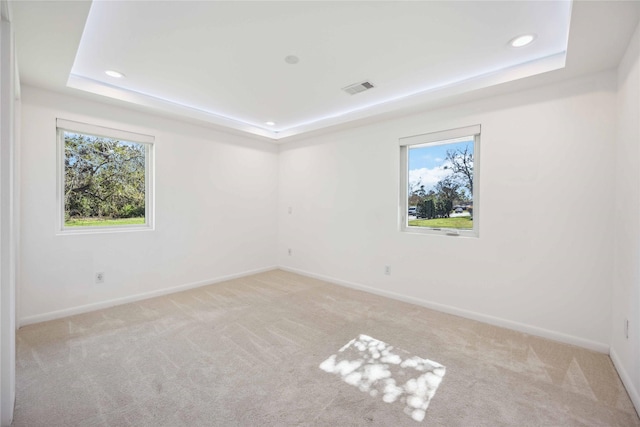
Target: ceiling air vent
<point>358,87</point>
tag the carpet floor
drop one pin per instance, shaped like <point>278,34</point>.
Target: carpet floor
<point>279,349</point>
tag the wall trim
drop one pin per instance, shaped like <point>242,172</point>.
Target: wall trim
<point>496,321</point>
<point>492,320</point>
<point>57,314</point>
<point>626,380</point>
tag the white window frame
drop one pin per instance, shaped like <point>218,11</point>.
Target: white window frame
<point>441,137</point>
<point>148,141</point>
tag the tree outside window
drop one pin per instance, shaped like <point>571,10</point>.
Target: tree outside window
<point>439,185</point>
<point>104,180</point>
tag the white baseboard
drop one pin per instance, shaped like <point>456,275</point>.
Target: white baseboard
<point>626,380</point>
<point>28,320</point>
<point>521,327</point>
<point>496,321</point>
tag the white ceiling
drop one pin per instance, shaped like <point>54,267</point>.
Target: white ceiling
<point>223,62</point>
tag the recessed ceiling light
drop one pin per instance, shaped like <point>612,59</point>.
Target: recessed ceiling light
<point>291,59</point>
<point>522,40</point>
<point>270,123</point>
<point>114,73</point>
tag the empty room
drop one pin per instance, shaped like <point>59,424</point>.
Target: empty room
<point>319,213</point>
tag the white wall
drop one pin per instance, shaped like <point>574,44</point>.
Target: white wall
<point>626,280</point>
<point>543,260</point>
<point>8,221</point>
<point>215,212</point>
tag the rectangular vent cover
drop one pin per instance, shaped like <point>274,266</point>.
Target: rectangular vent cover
<point>358,87</point>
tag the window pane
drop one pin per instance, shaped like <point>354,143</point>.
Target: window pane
<point>440,184</point>
<point>104,181</point>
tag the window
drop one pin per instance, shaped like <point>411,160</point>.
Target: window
<point>439,182</point>
<point>104,178</point>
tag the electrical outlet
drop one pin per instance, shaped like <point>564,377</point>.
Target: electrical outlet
<point>100,277</point>
<point>387,270</point>
<point>626,328</point>
<point>290,252</point>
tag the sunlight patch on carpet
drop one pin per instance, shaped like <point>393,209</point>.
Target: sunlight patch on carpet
<point>391,373</point>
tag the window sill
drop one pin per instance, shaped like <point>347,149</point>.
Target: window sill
<point>74,231</point>
<point>445,232</point>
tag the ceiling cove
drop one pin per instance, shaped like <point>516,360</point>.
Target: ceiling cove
<point>278,69</point>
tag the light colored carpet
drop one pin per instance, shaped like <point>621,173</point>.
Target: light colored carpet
<point>279,349</point>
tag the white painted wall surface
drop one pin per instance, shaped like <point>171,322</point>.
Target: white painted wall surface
<point>215,212</point>
<point>8,221</point>
<point>543,261</point>
<point>626,279</point>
